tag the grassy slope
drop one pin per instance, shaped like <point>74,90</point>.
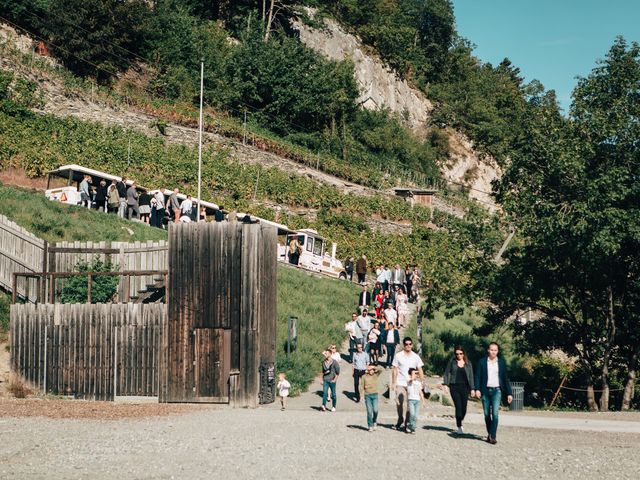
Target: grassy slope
<point>321,304</point>
<point>57,222</point>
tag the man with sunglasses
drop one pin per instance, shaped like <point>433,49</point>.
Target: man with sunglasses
<point>403,361</point>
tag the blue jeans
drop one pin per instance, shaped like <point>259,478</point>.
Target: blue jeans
<point>491,407</point>
<point>326,385</point>
<point>414,411</point>
<point>371,402</point>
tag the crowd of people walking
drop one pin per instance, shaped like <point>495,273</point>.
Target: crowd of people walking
<point>374,337</point>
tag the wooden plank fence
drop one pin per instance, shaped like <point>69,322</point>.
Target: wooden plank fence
<point>20,251</point>
<point>94,351</point>
<point>65,256</point>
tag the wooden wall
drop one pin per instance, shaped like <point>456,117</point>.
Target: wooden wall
<point>88,351</point>
<point>20,251</point>
<point>222,284</point>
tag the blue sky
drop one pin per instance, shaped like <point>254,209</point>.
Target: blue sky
<point>552,41</point>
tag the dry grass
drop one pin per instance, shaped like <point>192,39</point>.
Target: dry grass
<point>17,386</point>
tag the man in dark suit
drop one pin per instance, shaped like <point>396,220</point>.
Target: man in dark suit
<point>491,382</point>
<point>364,298</point>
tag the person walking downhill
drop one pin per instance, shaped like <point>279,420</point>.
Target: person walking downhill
<point>364,298</point>
<point>361,269</point>
<point>415,396</point>
<point>330,373</point>
<point>403,361</point>
<point>491,382</point>
<point>364,323</point>
<point>369,387</point>
<point>283,390</point>
<point>402,307</point>
<point>360,362</point>
<point>391,341</point>
<point>458,379</point>
<point>348,268</point>
<point>373,337</point>
<point>355,334</point>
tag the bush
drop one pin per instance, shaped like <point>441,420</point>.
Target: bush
<point>103,287</point>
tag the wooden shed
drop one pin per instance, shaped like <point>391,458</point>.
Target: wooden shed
<point>219,345</point>
<point>417,196</point>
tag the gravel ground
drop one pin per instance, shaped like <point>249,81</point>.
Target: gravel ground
<point>62,439</point>
<point>268,443</point>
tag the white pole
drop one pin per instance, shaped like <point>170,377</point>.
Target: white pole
<point>200,139</point>
<point>115,363</point>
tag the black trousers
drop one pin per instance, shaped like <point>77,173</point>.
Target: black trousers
<point>361,277</point>
<point>356,382</point>
<point>460,396</point>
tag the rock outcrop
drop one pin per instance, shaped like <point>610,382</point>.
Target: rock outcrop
<point>380,87</point>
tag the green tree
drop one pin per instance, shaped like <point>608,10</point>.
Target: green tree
<point>98,38</point>
<point>571,190</point>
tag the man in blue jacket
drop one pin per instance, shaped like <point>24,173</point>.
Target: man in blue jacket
<point>491,382</point>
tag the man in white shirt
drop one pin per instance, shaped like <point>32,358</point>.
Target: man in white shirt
<point>355,334</point>
<point>402,362</point>
<point>364,323</point>
<point>491,383</point>
<point>390,314</point>
<point>186,206</point>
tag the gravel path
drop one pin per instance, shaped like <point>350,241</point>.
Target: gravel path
<point>268,443</point>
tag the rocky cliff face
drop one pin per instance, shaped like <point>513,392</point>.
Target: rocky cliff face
<point>380,87</point>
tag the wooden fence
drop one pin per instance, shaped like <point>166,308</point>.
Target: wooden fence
<point>89,351</point>
<point>123,256</point>
<point>20,251</point>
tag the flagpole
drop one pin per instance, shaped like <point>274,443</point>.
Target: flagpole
<point>200,140</point>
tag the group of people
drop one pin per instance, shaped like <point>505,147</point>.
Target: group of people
<point>128,200</point>
<point>408,277</point>
<point>371,337</point>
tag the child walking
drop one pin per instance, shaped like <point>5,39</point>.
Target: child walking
<point>283,389</point>
<point>415,397</point>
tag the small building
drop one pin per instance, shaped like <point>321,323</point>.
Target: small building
<point>417,196</point>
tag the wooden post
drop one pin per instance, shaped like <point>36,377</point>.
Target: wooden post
<point>52,289</point>
<point>14,288</point>
<point>42,294</point>
<point>127,288</point>
<point>89,288</point>
<point>557,394</point>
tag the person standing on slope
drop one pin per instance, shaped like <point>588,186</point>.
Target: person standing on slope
<point>330,373</point>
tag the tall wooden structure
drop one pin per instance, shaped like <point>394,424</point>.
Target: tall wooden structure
<point>221,322</point>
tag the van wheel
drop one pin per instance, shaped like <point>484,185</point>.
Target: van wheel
<point>343,276</point>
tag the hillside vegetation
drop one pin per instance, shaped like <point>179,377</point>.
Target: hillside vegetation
<point>448,254</point>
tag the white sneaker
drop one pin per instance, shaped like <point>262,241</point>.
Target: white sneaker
<point>333,409</point>
<point>371,429</point>
<point>460,430</point>
<point>324,409</point>
<point>375,426</point>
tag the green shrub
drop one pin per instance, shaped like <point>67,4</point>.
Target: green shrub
<point>103,287</point>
